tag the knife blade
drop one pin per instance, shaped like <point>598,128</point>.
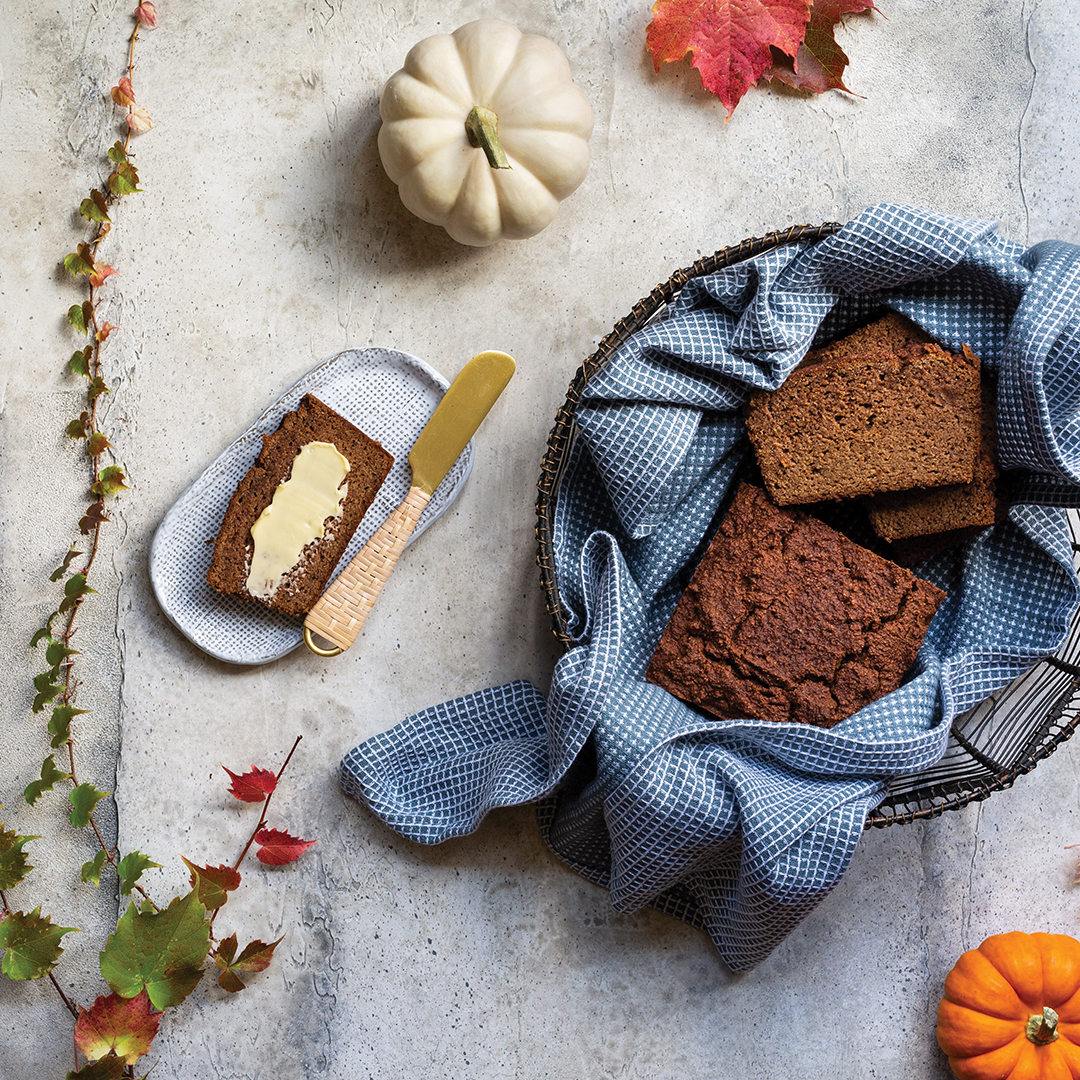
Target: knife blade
<point>340,613</point>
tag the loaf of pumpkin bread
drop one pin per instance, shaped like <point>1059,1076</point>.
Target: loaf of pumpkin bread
<point>785,619</point>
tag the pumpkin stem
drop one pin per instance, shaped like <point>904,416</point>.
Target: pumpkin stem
<point>482,127</point>
<point>1042,1028</point>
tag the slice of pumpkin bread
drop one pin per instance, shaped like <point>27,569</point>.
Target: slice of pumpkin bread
<point>300,587</point>
<point>956,507</point>
<point>880,416</point>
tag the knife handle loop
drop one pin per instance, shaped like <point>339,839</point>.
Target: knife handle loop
<point>340,612</point>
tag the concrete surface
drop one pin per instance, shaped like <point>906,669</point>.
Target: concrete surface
<point>268,238</point>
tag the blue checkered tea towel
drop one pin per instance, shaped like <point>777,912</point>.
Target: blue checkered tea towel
<point>741,827</point>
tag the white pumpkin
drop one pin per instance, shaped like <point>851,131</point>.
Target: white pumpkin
<point>458,104</point>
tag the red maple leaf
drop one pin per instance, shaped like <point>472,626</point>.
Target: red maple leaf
<point>277,848</point>
<point>252,786</point>
<point>126,1026</point>
<point>730,40</point>
<point>819,64</point>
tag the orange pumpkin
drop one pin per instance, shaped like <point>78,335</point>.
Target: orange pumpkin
<point>1011,1009</point>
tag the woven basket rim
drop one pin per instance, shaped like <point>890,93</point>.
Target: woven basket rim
<point>907,800</point>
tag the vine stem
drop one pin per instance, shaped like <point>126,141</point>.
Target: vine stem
<point>70,685</point>
<point>266,804</point>
<point>66,1000</point>
<point>262,816</point>
<point>67,634</point>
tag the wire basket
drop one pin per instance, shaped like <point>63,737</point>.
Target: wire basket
<point>989,746</point>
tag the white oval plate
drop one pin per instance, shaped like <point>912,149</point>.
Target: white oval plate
<point>390,396</point>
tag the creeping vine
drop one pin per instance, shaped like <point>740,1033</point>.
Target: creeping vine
<point>157,954</point>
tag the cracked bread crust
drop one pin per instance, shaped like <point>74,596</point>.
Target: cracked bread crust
<point>787,620</point>
<point>892,333</point>
<point>369,464</point>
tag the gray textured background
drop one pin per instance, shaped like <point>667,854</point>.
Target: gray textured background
<point>268,238</point>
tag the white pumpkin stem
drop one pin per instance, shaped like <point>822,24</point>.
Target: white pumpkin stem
<point>482,127</point>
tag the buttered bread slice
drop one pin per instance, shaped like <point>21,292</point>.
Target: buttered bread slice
<point>295,511</point>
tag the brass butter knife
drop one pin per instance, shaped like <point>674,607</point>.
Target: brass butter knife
<point>339,613</point>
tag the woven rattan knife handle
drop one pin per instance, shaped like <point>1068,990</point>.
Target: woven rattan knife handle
<point>339,613</point>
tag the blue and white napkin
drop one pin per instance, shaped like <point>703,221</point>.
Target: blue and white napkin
<point>741,827</point>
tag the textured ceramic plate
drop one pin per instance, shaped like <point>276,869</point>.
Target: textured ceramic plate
<point>389,395</point>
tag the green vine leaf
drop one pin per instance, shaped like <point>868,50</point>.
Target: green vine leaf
<point>32,944</point>
<point>125,181</point>
<point>13,864</point>
<point>106,1068</point>
<point>57,653</point>
<point>161,951</point>
<point>91,871</point>
<point>50,774</point>
<point>44,632</point>
<point>80,361</point>
<point>97,444</point>
<point>82,262</point>
<point>78,429</point>
<point>79,262</point>
<point>95,208</point>
<point>78,317</point>
<point>60,724</point>
<point>131,868</point>
<point>97,388</point>
<point>62,569</point>
<point>213,883</point>
<point>83,800</point>
<point>113,1024</point>
<point>109,481</point>
<point>47,689</point>
<point>117,153</point>
<point>75,588</point>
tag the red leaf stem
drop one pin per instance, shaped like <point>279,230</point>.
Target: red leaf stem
<point>262,816</point>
